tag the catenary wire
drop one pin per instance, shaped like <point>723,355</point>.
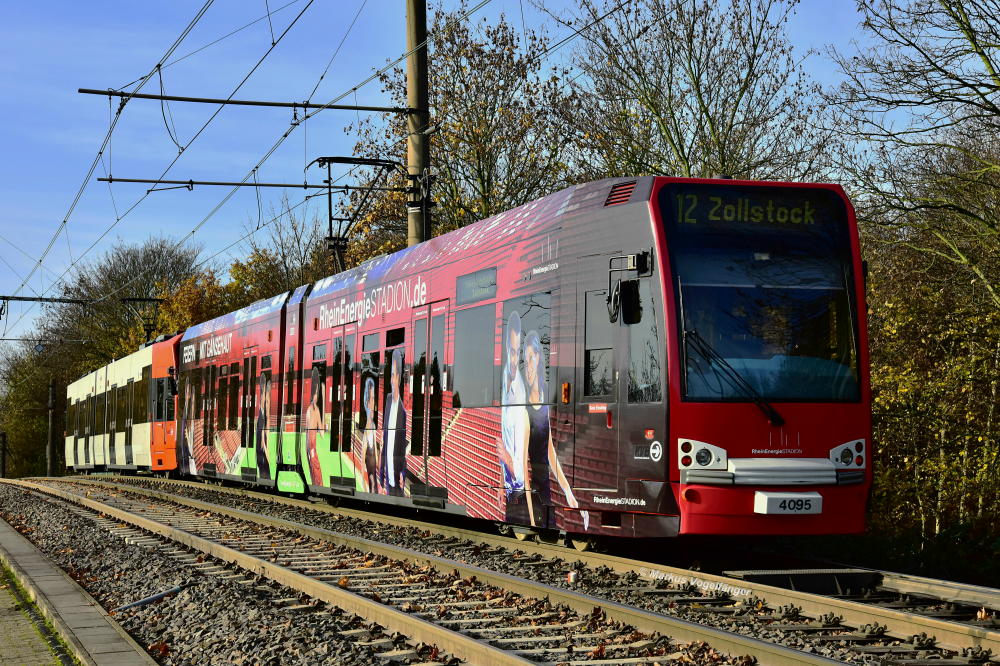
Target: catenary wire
<point>216,41</point>
<point>104,143</point>
<point>122,216</point>
<point>281,140</point>
<point>288,132</point>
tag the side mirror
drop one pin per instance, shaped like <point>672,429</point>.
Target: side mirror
<point>631,305</point>
<point>614,301</point>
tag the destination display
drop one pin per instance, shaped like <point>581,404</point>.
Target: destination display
<point>710,208</point>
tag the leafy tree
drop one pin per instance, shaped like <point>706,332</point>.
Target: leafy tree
<point>693,88</point>
<point>199,297</point>
<point>292,253</point>
<point>935,351</point>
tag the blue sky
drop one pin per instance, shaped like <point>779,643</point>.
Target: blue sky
<point>51,133</point>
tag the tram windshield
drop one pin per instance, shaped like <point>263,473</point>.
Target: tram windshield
<point>763,280</point>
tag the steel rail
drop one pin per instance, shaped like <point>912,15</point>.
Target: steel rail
<point>959,593</point>
<point>464,647</point>
<point>643,620</point>
<point>900,624</point>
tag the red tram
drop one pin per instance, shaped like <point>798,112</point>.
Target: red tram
<point>636,357</point>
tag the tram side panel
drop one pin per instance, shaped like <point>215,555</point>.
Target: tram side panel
<point>161,454</point>
<point>224,433</point>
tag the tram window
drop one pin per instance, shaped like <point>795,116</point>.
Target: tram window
<point>418,388</point>
<point>475,329</point>
<point>369,342</point>
<point>319,353</point>
<point>99,426</point>
<point>598,356</point>
<point>644,351</point>
<point>234,396</point>
<point>143,392</point>
<point>529,315</point>
<point>160,396</point>
<point>170,398</point>
<point>395,337</point>
<point>392,421</point>
<point>476,286</point>
<point>316,409</point>
<point>290,383</point>
<point>437,389</point>
<point>370,369</point>
<point>196,381</point>
<point>346,428</point>
<point>122,413</point>
<point>220,401</point>
<point>265,362</point>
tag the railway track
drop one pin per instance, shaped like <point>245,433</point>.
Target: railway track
<point>864,632</point>
<point>475,614</point>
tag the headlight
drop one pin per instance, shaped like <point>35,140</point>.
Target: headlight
<point>707,456</point>
<point>846,456</point>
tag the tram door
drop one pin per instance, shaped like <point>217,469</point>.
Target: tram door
<point>427,383</point>
<point>342,395</point>
<point>426,389</point>
<point>248,416</point>
<point>597,391</point>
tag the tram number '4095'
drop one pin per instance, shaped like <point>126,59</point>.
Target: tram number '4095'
<point>793,503</point>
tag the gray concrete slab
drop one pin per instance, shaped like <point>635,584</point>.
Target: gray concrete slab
<point>93,636</point>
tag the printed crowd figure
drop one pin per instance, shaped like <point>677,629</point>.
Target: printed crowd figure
<point>263,409</point>
<point>542,458</point>
<point>394,431</point>
<point>315,424</point>
<point>369,439</point>
<point>514,427</point>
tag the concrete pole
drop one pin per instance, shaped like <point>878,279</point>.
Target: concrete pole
<point>50,449</point>
<point>417,148</point>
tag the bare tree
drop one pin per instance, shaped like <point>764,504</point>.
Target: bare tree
<point>291,253</point>
<point>694,88</point>
<point>920,116</point>
<point>497,140</point>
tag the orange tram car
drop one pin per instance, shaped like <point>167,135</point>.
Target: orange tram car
<point>641,357</point>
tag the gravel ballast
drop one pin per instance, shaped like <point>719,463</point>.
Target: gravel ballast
<point>602,582</point>
<point>212,620</point>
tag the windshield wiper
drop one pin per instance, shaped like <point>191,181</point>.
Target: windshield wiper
<point>711,355</point>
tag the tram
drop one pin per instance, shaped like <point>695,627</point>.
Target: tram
<point>643,357</point>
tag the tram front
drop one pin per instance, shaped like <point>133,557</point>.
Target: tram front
<point>769,413</point>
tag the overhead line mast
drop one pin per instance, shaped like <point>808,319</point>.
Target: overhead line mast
<point>417,124</point>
